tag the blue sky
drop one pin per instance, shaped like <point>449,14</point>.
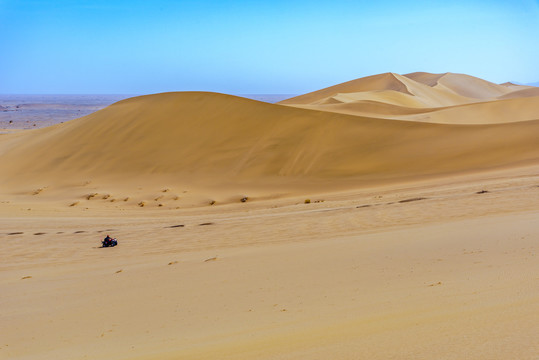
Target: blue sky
<point>242,47</point>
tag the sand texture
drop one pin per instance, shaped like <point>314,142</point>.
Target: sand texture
<point>390,217</point>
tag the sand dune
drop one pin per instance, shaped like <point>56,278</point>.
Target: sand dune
<point>429,89</point>
<point>387,81</point>
<point>221,141</point>
<point>461,84</point>
<point>527,92</point>
<point>504,110</point>
<point>438,98</point>
<point>425,78</point>
<point>223,147</point>
<point>383,88</point>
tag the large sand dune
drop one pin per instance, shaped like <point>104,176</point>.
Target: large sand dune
<point>416,93</point>
<point>224,142</point>
<point>437,98</point>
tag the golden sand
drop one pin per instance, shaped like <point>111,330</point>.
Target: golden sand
<point>359,237</point>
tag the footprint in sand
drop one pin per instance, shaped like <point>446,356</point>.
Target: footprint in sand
<point>91,196</point>
<point>38,191</point>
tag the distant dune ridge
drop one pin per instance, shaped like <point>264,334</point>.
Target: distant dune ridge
<point>438,98</point>
<point>346,135</point>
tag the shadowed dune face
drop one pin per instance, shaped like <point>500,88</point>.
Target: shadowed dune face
<point>214,139</point>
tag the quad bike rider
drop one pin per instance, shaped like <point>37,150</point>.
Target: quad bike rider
<point>109,242</point>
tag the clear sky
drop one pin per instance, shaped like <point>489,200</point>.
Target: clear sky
<point>246,47</point>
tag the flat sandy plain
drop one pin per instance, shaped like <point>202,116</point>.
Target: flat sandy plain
<point>362,237</point>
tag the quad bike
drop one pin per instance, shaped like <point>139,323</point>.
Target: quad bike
<point>109,242</point>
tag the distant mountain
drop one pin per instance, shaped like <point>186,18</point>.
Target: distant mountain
<point>533,84</point>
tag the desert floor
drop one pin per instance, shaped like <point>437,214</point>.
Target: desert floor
<point>444,269</point>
